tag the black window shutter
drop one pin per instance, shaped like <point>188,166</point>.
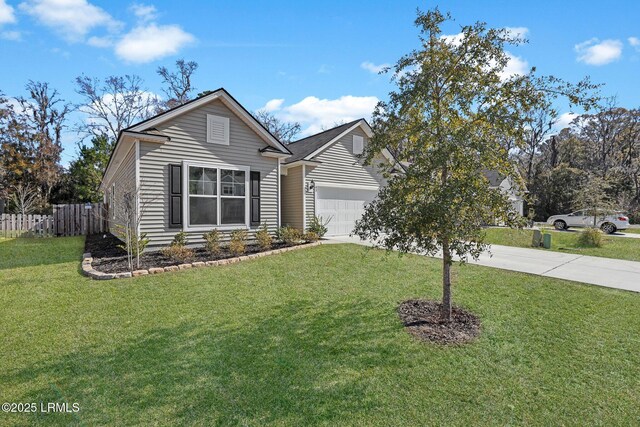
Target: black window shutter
<point>255,198</point>
<point>175,196</point>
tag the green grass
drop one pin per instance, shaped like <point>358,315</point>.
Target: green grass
<point>309,337</point>
<point>634,230</point>
<point>567,241</point>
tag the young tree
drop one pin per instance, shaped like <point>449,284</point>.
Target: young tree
<point>128,213</point>
<point>446,122</point>
<point>284,131</point>
<point>113,105</point>
<point>178,84</point>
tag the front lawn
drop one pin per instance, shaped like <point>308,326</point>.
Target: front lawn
<point>567,241</point>
<point>309,337</point>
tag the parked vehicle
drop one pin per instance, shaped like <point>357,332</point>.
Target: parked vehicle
<point>608,222</point>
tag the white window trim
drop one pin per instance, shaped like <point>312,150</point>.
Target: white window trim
<point>225,121</point>
<point>347,186</point>
<point>185,199</point>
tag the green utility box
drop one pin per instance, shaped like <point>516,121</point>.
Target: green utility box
<point>546,241</point>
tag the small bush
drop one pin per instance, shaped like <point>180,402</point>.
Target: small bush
<point>238,243</point>
<point>278,234</point>
<point>290,235</point>
<point>179,253</point>
<point>264,238</point>
<point>212,242</point>
<point>319,226</point>
<point>590,238</point>
<point>180,239</point>
<point>310,236</point>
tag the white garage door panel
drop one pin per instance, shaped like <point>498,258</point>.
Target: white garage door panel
<point>344,206</point>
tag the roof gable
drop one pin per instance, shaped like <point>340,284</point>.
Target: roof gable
<point>311,146</point>
<point>229,101</point>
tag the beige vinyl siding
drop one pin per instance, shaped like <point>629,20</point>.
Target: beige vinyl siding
<point>125,182</point>
<point>291,197</point>
<point>338,165</point>
<point>188,133</point>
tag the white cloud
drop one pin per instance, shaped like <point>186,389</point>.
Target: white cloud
<point>373,68</point>
<point>6,13</point>
<point>519,32</point>
<point>100,41</point>
<point>145,13</point>
<point>565,120</point>
<point>74,19</point>
<point>316,114</point>
<point>596,52</point>
<point>634,42</point>
<point>148,43</point>
<point>15,36</point>
<point>273,105</point>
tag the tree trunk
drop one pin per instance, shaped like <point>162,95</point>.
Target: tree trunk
<point>445,312</point>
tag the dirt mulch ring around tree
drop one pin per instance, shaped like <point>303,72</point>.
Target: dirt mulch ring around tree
<point>109,258</point>
<point>422,320</point>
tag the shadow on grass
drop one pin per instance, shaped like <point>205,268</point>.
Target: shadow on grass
<point>302,364</point>
<point>27,252</point>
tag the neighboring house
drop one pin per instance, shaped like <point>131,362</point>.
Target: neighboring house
<point>506,186</point>
<point>325,177</point>
<point>203,165</point>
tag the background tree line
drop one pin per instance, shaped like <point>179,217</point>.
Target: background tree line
<point>32,177</point>
<point>597,155</point>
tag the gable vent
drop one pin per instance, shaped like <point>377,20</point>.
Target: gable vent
<point>217,129</point>
<point>358,144</point>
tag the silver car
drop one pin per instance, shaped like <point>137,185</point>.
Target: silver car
<point>609,222</point>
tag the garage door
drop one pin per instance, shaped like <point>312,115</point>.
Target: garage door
<point>343,205</point>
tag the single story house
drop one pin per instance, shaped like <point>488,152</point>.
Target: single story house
<point>210,164</point>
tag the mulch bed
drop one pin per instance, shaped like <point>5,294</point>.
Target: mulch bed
<point>422,320</point>
<point>109,258</point>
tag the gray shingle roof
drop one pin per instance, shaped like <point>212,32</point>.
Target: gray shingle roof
<point>305,146</point>
<point>494,178</point>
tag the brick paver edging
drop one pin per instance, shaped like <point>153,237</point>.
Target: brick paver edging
<point>88,270</point>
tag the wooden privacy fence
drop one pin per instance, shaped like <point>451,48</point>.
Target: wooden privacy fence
<point>12,225</point>
<point>67,220</point>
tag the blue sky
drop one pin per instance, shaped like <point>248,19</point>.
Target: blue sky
<point>313,62</point>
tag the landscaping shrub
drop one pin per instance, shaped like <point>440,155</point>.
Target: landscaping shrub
<point>238,243</point>
<point>318,226</point>
<point>264,238</point>
<point>590,238</point>
<point>290,235</point>
<point>180,239</point>
<point>310,236</point>
<point>212,242</point>
<point>178,250</point>
<point>179,253</point>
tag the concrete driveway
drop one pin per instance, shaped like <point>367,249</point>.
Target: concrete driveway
<point>611,273</point>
